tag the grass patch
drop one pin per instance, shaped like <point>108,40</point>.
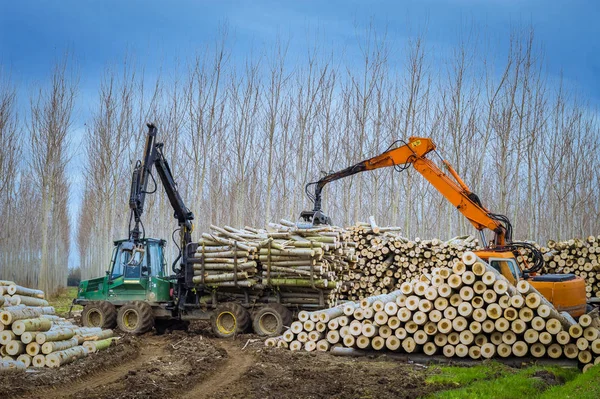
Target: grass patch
<point>62,300</point>
<point>494,380</point>
<point>460,376</point>
<point>583,386</point>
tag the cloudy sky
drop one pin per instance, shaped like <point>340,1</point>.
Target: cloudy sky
<point>36,33</point>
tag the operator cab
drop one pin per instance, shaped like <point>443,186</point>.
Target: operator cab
<point>135,261</point>
<point>137,272</point>
<point>504,262</point>
<point>507,267</point>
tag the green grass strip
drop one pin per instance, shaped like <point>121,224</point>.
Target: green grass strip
<point>494,380</point>
<point>62,301</point>
<point>583,386</point>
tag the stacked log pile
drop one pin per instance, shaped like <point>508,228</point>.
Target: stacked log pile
<point>576,256</point>
<point>387,259</point>
<point>31,335</point>
<point>302,265</point>
<point>466,310</point>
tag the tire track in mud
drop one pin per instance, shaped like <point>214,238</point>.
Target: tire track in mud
<point>236,365</point>
<point>152,349</point>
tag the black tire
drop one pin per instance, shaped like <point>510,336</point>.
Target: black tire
<point>229,319</point>
<point>286,315</point>
<point>163,326</point>
<point>268,322</point>
<point>135,318</point>
<point>99,314</point>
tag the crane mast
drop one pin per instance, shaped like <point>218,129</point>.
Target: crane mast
<point>142,173</point>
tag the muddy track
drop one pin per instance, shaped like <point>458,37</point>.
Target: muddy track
<point>150,351</point>
<point>195,365</point>
<point>236,364</point>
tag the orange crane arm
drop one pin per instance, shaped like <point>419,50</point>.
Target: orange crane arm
<point>452,188</point>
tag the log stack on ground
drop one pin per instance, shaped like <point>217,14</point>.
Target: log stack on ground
<point>31,335</point>
<point>465,310</point>
<point>577,256</point>
<point>387,259</point>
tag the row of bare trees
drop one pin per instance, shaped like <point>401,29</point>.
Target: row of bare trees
<point>34,187</point>
<point>243,139</point>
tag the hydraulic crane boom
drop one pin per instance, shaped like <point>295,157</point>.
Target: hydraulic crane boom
<point>452,188</point>
<point>153,157</point>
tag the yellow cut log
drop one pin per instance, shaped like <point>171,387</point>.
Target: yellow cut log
<point>39,361</point>
<point>55,346</point>
<point>33,349</point>
<point>10,315</point>
<point>28,301</point>
<point>15,348</point>
<point>57,359</point>
<point>18,290</point>
<point>103,334</point>
<point>58,334</point>
<point>25,359</point>
<point>6,337</point>
<point>39,324</point>
<point>29,336</point>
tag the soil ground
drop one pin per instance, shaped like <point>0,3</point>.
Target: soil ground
<point>195,365</point>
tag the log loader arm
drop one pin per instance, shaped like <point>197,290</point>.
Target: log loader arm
<point>451,187</point>
<point>142,173</point>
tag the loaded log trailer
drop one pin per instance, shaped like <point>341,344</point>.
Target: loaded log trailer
<point>566,291</point>
<point>138,293</point>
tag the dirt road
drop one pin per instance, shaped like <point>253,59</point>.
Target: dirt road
<point>237,364</point>
<point>195,365</point>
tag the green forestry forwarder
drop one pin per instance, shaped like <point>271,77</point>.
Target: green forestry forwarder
<point>137,293</point>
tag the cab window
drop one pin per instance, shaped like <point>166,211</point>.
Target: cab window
<point>504,266</point>
<point>133,267</point>
<point>118,263</point>
<point>134,261</point>
<point>155,259</point>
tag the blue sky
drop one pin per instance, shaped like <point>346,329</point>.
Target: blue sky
<point>35,33</point>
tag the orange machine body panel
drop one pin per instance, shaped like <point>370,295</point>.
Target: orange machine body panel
<point>566,296</point>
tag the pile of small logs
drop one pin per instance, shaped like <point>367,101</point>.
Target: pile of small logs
<point>13,295</point>
<point>301,264</point>
<point>466,309</point>
<point>576,256</point>
<point>31,335</point>
<point>387,259</point>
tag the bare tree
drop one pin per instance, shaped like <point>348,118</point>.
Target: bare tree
<point>49,128</point>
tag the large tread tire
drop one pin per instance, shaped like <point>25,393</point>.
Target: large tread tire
<point>164,326</point>
<point>286,315</point>
<point>99,314</point>
<point>135,318</point>
<point>229,319</point>
<point>268,322</point>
